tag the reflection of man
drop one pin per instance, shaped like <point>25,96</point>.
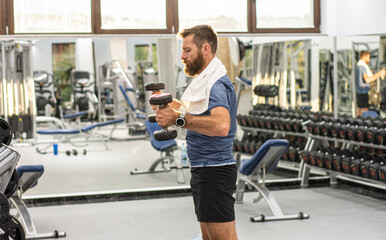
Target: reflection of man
<point>364,76</point>
<point>210,120</point>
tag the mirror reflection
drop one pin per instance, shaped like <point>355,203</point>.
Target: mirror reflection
<point>90,100</point>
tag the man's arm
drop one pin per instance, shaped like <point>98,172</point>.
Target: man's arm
<point>216,124</point>
<point>369,79</point>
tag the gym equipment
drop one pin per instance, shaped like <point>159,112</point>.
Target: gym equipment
<point>84,151</point>
<point>111,76</point>
<point>4,208</point>
<point>17,101</point>
<point>89,133</point>
<point>12,229</point>
<point>74,152</point>
<point>46,102</point>
<point>154,86</point>
<point>266,160</point>
<point>68,152</point>
<point>5,132</point>
<point>162,100</point>
<point>28,178</point>
<point>84,97</point>
<point>167,160</point>
<point>266,90</point>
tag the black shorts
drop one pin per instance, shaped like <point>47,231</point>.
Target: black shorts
<point>363,100</point>
<point>212,190</point>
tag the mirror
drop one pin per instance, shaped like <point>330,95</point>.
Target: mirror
<point>301,66</point>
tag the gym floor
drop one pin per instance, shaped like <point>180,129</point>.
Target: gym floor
<point>94,196</point>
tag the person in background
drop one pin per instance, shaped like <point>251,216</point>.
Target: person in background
<point>364,76</point>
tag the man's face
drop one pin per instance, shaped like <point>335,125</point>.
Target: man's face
<point>191,56</point>
<point>366,58</point>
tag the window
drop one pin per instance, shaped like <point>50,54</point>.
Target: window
<point>63,61</point>
<point>126,16</point>
<point>118,14</point>
<point>222,15</point>
<point>52,16</point>
<point>291,16</point>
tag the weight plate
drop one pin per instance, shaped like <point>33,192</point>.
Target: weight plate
<point>154,86</point>
<point>12,185</point>
<point>4,208</point>
<point>5,132</point>
<point>12,229</point>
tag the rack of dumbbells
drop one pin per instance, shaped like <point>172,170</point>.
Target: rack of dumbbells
<point>350,149</point>
<point>268,122</point>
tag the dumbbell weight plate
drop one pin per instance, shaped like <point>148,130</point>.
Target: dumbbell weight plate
<point>151,118</point>
<point>5,132</point>
<point>4,208</point>
<point>346,162</point>
<point>160,99</point>
<point>12,229</point>
<point>154,86</point>
<point>163,135</point>
<point>12,185</point>
<point>382,173</point>
<point>373,170</point>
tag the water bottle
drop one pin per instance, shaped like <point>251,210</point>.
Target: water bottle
<point>183,154</point>
<point>55,149</point>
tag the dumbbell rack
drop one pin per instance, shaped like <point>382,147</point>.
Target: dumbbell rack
<point>314,140</point>
<point>288,165</point>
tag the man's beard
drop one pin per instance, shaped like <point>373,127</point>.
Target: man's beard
<point>192,68</point>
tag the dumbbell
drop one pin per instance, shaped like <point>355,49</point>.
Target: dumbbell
<point>312,158</point>
<point>328,160</point>
<point>293,154</point>
<point>162,100</point>
<point>372,131</point>
<point>319,159</point>
<point>346,163</point>
<point>365,165</point>
<point>336,163</point>
<point>154,86</point>
<point>304,156</point>
<point>382,173</point>
<point>374,168</point>
<point>5,132</point>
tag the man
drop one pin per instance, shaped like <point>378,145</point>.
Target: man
<point>363,76</point>
<point>208,112</point>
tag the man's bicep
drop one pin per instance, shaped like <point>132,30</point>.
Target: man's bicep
<point>221,113</point>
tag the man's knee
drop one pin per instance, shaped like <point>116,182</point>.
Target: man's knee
<point>220,230</point>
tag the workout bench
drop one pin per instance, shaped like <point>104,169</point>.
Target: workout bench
<point>67,134</point>
<point>28,178</point>
<point>167,160</point>
<point>265,160</point>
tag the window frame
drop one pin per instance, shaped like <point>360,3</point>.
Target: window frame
<point>3,17</point>
<point>172,22</point>
<point>255,29</point>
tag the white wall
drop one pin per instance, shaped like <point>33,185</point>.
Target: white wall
<point>353,17</point>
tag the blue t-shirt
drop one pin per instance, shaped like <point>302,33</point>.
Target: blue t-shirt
<point>204,150</point>
<point>361,86</point>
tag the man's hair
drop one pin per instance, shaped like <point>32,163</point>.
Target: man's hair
<point>363,53</point>
<point>202,34</point>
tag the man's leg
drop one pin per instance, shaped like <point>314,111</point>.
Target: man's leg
<point>219,231</point>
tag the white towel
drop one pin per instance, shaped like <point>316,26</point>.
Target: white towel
<point>363,64</point>
<point>195,99</point>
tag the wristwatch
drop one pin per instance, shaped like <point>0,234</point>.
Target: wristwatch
<point>180,121</point>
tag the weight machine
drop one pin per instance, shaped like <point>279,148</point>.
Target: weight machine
<point>19,107</point>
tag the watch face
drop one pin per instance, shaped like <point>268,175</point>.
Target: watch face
<point>180,122</point>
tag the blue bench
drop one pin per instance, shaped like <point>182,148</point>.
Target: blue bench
<point>28,178</point>
<point>167,159</point>
<point>87,132</point>
<point>265,161</point>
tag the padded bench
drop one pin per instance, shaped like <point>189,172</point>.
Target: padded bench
<point>28,178</point>
<point>167,160</point>
<point>265,161</point>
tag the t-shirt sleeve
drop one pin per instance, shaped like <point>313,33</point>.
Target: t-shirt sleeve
<point>218,97</point>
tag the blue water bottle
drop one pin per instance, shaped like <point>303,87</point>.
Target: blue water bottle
<point>55,149</point>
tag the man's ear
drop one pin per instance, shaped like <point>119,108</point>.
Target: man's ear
<point>206,49</point>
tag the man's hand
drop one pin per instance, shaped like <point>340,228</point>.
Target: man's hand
<point>166,116</point>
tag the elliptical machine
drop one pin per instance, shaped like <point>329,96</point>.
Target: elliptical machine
<point>46,102</point>
<point>84,97</point>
